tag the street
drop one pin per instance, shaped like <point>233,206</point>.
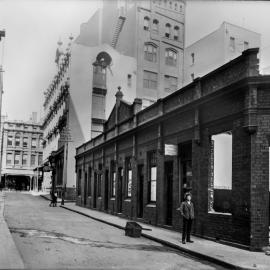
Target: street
<point>48,237</point>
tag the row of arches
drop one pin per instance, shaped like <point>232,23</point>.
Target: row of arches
<point>170,31</point>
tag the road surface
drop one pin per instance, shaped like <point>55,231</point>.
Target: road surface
<point>48,237</point>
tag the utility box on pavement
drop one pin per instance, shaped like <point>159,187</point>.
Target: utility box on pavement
<point>133,229</point>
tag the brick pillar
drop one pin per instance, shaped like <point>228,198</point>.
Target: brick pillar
<point>160,211</point>
<point>259,185</point>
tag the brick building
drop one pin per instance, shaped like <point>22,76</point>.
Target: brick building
<point>216,127</point>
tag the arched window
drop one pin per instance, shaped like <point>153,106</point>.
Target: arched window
<point>170,3</point>
<point>175,6</point>
<point>167,30</point>
<point>150,52</point>
<point>176,33</point>
<point>155,26</point>
<point>181,8</point>
<point>146,22</point>
<point>171,57</point>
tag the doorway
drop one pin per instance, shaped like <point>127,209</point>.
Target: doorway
<point>95,191</point>
<point>140,191</point>
<point>168,177</point>
<point>120,183</point>
<point>185,150</point>
<point>106,191</point>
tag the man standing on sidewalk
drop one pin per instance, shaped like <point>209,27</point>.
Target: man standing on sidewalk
<point>187,212</point>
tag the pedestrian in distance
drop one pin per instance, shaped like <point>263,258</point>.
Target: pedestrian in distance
<point>187,212</point>
<point>53,202</point>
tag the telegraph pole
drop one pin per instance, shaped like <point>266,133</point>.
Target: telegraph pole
<point>2,35</point>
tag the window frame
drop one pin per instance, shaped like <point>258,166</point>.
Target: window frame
<point>150,52</point>
<point>168,30</point>
<point>113,180</point>
<point>128,178</point>
<point>171,57</point>
<point>152,181</point>
<point>150,83</point>
<point>146,23</point>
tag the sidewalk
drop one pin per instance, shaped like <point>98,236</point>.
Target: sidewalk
<point>9,255</point>
<point>48,197</point>
<point>221,254</point>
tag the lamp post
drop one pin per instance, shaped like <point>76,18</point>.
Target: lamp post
<point>2,35</point>
<point>52,163</point>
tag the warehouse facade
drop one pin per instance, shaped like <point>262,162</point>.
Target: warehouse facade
<point>210,137</point>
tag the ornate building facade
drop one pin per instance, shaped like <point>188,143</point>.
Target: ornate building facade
<point>21,154</point>
<point>132,44</point>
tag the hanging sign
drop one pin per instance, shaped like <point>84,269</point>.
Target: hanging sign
<point>171,149</point>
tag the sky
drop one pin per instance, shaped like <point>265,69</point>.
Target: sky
<point>33,28</point>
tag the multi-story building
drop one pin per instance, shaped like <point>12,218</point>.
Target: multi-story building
<point>216,49</point>
<point>137,45</point>
<point>21,154</point>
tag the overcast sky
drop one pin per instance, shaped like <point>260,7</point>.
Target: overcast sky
<point>34,27</point>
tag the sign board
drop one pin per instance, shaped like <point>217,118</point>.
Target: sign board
<point>171,149</point>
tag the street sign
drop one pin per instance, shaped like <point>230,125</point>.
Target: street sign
<point>171,149</point>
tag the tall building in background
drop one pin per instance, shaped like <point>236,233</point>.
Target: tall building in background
<point>21,154</point>
<point>216,49</point>
<point>137,45</point>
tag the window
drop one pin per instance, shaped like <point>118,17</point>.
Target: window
<point>39,159</point>
<point>79,182</point>
<point>89,181</point>
<point>9,140</point>
<point>113,179</point>
<point>25,142</point>
<point>40,142</point>
<point>246,45</point>
<point>170,83</point>
<point>17,158</point>
<point>34,143</point>
<point>167,30</point>
<point>175,6</point>
<point>176,33</point>
<point>129,80</point>
<point>220,183</point>
<point>150,79</point>
<point>9,158</point>
<point>192,58</point>
<point>25,127</point>
<point>33,160</point>
<point>170,57</point>
<point>181,8</point>
<point>152,180</point>
<point>146,23</point>
<point>155,26</point>
<point>24,159</point>
<point>150,52</point>
<point>232,44</point>
<point>192,76</point>
<point>99,180</point>
<point>128,177</point>
<point>17,140</point>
